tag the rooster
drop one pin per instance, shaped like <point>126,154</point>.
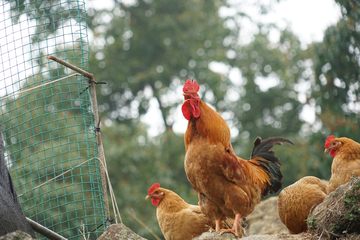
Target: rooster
<point>177,219</point>
<point>346,162</point>
<point>297,200</point>
<point>228,186</point>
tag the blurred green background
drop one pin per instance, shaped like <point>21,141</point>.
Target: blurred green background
<point>146,50</point>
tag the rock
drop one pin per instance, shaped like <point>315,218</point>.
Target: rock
<point>216,236</point>
<point>278,236</point>
<point>338,216</point>
<point>261,223</point>
<point>119,231</point>
<point>265,219</point>
<point>230,236</point>
<point>17,235</point>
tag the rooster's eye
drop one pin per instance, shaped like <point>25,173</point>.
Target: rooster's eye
<point>157,192</point>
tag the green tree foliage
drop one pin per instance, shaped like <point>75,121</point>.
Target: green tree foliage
<point>148,49</point>
<point>336,65</point>
<point>335,91</point>
<point>48,14</point>
<point>271,110</point>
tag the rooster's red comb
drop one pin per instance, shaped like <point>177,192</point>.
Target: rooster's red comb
<point>153,187</point>
<point>190,85</point>
<point>327,142</point>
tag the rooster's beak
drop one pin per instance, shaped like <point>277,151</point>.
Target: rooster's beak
<point>147,197</point>
<point>326,150</point>
<point>186,99</point>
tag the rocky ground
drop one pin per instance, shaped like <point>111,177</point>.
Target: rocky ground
<point>17,235</point>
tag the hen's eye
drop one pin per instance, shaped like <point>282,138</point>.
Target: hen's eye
<point>157,192</point>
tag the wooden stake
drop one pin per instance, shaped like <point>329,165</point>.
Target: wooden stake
<point>96,120</point>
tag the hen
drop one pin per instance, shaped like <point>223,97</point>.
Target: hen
<point>296,201</point>
<point>177,219</point>
<point>228,186</point>
<point>346,162</point>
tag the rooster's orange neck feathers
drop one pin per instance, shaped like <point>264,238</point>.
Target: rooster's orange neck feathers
<point>208,123</point>
<point>202,118</point>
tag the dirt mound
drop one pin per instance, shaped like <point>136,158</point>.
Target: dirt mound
<point>338,216</point>
<point>265,219</point>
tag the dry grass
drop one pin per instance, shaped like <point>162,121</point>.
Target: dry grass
<point>83,232</point>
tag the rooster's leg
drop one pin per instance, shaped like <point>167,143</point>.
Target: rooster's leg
<point>218,223</point>
<point>235,226</point>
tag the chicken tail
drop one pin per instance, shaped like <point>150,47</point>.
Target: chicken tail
<point>265,158</point>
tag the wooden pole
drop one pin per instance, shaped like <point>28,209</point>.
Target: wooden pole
<point>96,121</point>
<point>100,147</point>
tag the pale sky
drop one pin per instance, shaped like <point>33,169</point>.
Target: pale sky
<point>309,18</point>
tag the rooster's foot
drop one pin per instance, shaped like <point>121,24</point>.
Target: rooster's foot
<point>229,231</point>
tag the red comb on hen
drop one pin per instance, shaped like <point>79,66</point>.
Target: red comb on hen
<point>327,142</point>
<point>190,85</point>
<point>153,187</point>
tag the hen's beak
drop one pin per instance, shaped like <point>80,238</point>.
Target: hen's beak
<point>326,150</point>
<point>147,197</point>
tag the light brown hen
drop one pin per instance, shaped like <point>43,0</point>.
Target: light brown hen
<point>346,162</point>
<point>179,220</point>
<point>296,201</point>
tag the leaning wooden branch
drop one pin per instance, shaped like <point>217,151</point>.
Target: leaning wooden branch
<point>96,120</point>
<point>68,65</point>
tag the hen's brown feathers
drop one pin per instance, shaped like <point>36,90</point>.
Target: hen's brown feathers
<point>345,163</point>
<point>296,201</point>
<point>179,220</point>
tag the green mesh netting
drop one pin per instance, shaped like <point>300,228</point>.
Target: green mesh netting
<point>50,130</point>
